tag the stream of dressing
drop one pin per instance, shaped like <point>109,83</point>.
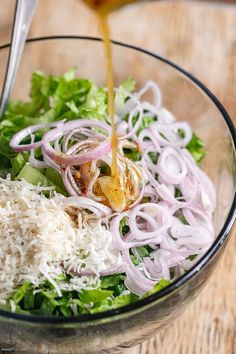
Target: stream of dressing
<point>110,185</point>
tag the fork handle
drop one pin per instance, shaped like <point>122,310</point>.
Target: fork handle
<point>24,11</point>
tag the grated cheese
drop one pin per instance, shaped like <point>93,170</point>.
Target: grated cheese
<point>38,237</point>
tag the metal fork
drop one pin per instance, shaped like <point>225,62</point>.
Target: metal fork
<point>24,11</point>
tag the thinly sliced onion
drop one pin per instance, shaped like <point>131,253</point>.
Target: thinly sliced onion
<point>168,134</point>
<point>32,160</point>
<point>86,203</point>
<point>197,215</point>
<point>67,182</point>
<point>89,192</point>
<point>137,111</point>
<point>135,281</point>
<point>36,163</point>
<point>49,161</point>
<point>165,117</point>
<point>22,134</point>
<point>147,140</point>
<point>154,211</point>
<point>85,157</point>
<point>74,135</point>
<point>191,235</point>
<point>206,188</point>
<point>171,166</point>
<point>157,97</point>
<point>121,243</point>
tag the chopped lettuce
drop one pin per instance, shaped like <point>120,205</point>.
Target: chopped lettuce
<point>146,121</point>
<point>196,147</point>
<point>20,293</point>
<point>18,162</point>
<point>124,227</point>
<point>127,85</point>
<point>44,301</point>
<point>182,219</point>
<point>163,283</point>
<point>132,154</point>
<point>143,251</point>
<point>95,296</point>
<point>110,281</point>
<point>36,177</point>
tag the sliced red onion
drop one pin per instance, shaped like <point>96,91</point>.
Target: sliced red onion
<point>191,235</point>
<point>122,243</point>
<point>121,128</point>
<point>171,166</point>
<point>166,260</point>
<point>90,193</point>
<point>49,161</point>
<point>158,268</point>
<point>86,203</point>
<point>73,134</point>
<point>157,97</point>
<point>206,188</point>
<point>131,102</point>
<point>149,109</point>
<point>196,215</point>
<point>165,117</point>
<point>135,280</point>
<point>57,145</point>
<point>36,163</point>
<point>22,134</point>
<point>153,212</point>
<point>147,139</point>
<point>168,134</point>
<point>133,129</point>
<point>136,177</point>
<point>85,157</point>
<point>189,187</point>
<point>150,192</point>
<point>79,159</point>
<point>32,160</point>
<point>67,182</point>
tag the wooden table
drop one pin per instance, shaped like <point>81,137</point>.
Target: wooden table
<point>202,38</point>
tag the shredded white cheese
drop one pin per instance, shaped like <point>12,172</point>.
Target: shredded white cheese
<point>38,238</point>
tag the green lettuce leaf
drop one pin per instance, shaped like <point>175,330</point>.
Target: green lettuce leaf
<point>111,281</point>
<point>51,98</point>
<point>20,293</point>
<point>163,283</point>
<point>95,296</point>
<point>196,147</point>
<point>127,85</point>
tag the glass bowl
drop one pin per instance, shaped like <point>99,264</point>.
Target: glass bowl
<point>189,100</point>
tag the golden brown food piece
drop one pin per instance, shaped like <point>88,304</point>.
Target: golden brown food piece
<point>113,192</point>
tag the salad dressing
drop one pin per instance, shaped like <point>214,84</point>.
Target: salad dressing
<point>110,186</point>
<point>107,6</point>
<point>110,85</point>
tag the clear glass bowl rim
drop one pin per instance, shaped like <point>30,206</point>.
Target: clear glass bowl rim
<point>217,244</point>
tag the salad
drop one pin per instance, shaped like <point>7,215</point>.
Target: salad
<point>70,244</point>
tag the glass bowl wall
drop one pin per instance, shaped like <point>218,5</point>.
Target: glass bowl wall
<point>188,100</point>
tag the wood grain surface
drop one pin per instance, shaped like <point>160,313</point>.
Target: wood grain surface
<point>201,37</point>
